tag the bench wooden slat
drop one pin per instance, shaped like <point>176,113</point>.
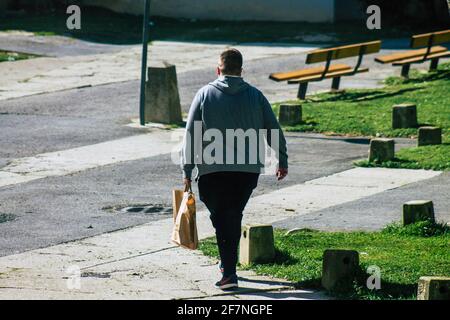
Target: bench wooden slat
<point>327,76</point>
<point>321,55</point>
<point>420,59</point>
<point>408,54</point>
<point>283,76</point>
<point>422,40</point>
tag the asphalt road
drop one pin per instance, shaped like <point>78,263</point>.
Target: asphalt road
<point>58,209</point>
<point>72,118</point>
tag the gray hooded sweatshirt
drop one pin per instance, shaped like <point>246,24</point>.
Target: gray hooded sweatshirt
<point>223,112</point>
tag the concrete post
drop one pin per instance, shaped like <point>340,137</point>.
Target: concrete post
<point>418,210</point>
<point>162,100</point>
<point>290,114</point>
<point>381,150</point>
<point>257,244</point>
<point>433,288</point>
<point>429,136</point>
<point>404,116</point>
<point>339,269</point>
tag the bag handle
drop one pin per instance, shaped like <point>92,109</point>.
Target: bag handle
<point>188,189</point>
<point>179,215</point>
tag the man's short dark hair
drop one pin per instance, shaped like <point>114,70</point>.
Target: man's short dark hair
<point>231,62</point>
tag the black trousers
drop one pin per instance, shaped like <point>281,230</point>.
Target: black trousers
<point>226,194</point>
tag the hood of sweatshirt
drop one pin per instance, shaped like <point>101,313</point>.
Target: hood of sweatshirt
<point>230,85</point>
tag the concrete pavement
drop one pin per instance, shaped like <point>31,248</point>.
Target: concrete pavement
<point>68,194</point>
<point>141,263</point>
<point>69,160</point>
<point>374,212</point>
<point>51,74</point>
<point>88,64</point>
<point>53,46</point>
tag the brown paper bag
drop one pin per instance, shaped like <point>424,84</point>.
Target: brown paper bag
<point>177,197</point>
<point>184,231</point>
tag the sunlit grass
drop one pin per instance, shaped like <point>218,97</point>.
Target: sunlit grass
<point>402,254</point>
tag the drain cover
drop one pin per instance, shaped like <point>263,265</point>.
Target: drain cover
<point>158,209</point>
<point>5,217</point>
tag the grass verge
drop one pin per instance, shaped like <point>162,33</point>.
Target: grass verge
<point>403,254</point>
<point>14,56</point>
<point>426,157</point>
<point>368,112</point>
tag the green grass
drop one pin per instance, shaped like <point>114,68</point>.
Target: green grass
<point>101,25</point>
<point>368,112</point>
<point>402,254</point>
<point>14,56</point>
<point>426,157</point>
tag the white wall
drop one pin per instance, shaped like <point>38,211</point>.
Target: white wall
<point>269,10</point>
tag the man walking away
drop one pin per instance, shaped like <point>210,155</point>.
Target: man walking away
<point>226,184</point>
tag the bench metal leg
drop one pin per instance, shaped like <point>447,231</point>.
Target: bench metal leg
<point>302,90</point>
<point>405,70</point>
<point>434,64</point>
<point>335,84</point>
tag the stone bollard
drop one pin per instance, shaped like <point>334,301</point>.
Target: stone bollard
<point>418,210</point>
<point>429,136</point>
<point>257,244</point>
<point>339,269</point>
<point>433,288</point>
<point>290,114</point>
<point>162,100</point>
<point>404,116</point>
<point>381,150</point>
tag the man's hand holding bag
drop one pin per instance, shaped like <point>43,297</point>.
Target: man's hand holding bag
<point>184,231</point>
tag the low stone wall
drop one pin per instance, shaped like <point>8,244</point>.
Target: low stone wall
<point>263,10</point>
<point>428,12</point>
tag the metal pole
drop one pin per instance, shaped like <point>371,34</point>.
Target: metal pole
<point>145,33</point>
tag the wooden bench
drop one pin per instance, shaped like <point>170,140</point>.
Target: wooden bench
<point>431,52</point>
<point>329,71</point>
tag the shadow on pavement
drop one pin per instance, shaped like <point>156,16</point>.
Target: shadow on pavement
<point>268,282</point>
<point>314,136</point>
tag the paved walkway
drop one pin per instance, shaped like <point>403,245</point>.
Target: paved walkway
<point>57,182</point>
<point>103,64</point>
<point>50,74</point>
<point>141,263</point>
